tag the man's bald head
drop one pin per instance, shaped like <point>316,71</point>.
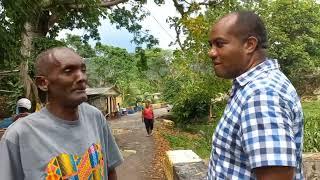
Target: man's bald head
<point>48,59</point>
<point>246,24</point>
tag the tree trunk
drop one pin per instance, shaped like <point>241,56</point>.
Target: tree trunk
<point>30,89</point>
<point>40,28</point>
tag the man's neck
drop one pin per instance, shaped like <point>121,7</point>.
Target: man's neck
<point>63,112</point>
<point>257,58</point>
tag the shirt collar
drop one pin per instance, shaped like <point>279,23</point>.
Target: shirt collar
<point>251,74</point>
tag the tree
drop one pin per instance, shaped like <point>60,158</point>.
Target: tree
<point>294,36</point>
<point>293,40</point>
<point>31,19</point>
<point>81,46</point>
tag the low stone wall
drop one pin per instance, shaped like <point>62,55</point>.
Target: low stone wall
<point>311,166</point>
<point>157,106</point>
<point>186,165</point>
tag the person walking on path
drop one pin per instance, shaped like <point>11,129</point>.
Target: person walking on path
<point>148,117</point>
<point>68,138</point>
<point>260,134</point>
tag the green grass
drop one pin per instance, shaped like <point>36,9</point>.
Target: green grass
<point>311,126</point>
<point>198,145</point>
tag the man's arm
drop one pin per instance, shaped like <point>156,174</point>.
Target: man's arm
<point>10,162</point>
<point>142,114</point>
<point>268,136</point>
<point>274,173</point>
<point>112,175</point>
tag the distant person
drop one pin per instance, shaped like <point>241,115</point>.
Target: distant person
<point>260,134</point>
<point>118,111</point>
<point>23,105</point>
<point>148,118</point>
<point>68,138</point>
<point>22,109</point>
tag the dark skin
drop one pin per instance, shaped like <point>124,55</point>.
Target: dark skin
<point>232,57</point>
<point>62,74</point>
<point>65,83</point>
<point>112,174</point>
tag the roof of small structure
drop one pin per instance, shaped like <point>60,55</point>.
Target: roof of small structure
<point>112,90</point>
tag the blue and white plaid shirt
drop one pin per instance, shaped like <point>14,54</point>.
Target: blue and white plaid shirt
<point>262,125</point>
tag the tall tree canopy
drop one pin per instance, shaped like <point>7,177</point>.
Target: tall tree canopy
<point>293,32</point>
<point>25,21</point>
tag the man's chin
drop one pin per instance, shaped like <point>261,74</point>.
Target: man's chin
<point>77,101</point>
<point>223,74</point>
<point>83,99</point>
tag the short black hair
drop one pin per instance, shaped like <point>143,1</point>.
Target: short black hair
<point>250,24</point>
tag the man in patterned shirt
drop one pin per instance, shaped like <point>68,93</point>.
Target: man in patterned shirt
<point>260,134</point>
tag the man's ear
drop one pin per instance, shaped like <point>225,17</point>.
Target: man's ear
<point>251,44</point>
<point>42,83</point>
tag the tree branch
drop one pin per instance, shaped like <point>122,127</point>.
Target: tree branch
<point>104,3</point>
<point>9,72</point>
<point>177,29</point>
<point>179,7</point>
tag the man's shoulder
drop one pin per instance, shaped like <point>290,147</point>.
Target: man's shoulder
<point>18,128</point>
<point>271,85</point>
<point>90,111</point>
<point>272,81</point>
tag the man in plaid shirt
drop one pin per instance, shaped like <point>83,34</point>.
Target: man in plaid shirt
<point>260,134</point>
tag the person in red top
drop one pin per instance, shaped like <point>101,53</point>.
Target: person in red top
<point>148,118</point>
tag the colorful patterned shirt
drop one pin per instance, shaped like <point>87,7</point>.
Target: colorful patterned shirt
<point>262,125</point>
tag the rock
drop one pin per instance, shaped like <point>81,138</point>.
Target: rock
<point>311,166</point>
<point>120,131</point>
<point>168,123</point>
<point>184,165</point>
<point>126,153</point>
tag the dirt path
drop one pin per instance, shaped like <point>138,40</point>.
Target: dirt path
<point>136,147</point>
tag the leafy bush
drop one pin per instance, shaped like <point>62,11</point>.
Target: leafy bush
<point>192,105</point>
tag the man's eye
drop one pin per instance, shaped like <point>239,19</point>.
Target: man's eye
<point>219,44</point>
<point>67,70</point>
<point>84,69</point>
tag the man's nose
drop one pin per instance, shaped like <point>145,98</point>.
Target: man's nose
<point>212,52</point>
<point>81,76</point>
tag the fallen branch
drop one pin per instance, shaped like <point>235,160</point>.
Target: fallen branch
<point>7,91</point>
<point>9,72</point>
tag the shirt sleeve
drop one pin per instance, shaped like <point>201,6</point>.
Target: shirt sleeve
<point>267,130</point>
<point>10,163</point>
<point>114,157</point>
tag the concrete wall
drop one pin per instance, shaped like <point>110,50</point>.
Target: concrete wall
<point>311,166</point>
<point>186,165</point>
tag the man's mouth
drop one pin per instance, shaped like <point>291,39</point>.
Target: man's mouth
<point>80,90</point>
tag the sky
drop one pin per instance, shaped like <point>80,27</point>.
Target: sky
<point>156,23</point>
